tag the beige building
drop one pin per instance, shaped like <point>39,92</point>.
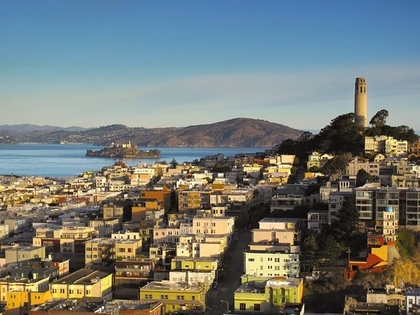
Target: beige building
<point>386,145</point>
<point>21,253</point>
<point>213,225</point>
<point>102,251</point>
<point>65,243</point>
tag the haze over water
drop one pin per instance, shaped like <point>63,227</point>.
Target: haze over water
<point>68,160</point>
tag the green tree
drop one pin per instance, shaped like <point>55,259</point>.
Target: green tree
<point>330,249</point>
<point>406,242</point>
<point>378,121</point>
<point>348,217</point>
<point>309,251</point>
<point>363,177</point>
<point>336,165</point>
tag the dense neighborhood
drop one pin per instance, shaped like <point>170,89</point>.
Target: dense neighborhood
<point>161,238</point>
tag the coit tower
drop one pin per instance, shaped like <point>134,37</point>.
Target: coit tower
<point>360,102</point>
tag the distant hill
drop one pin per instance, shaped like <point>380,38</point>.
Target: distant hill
<point>238,132</point>
<point>30,128</point>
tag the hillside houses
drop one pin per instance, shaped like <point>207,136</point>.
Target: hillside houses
<point>161,233</point>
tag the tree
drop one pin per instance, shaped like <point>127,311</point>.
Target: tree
<point>348,218</point>
<point>309,251</point>
<point>406,242</point>
<point>336,165</point>
<point>379,120</point>
<point>363,177</point>
<point>330,249</point>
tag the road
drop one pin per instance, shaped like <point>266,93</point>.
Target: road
<point>220,299</point>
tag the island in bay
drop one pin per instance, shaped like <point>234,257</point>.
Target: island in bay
<point>124,151</point>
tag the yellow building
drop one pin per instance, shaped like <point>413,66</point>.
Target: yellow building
<point>83,283</point>
<point>175,297</point>
<point>22,301</point>
<point>141,206</point>
<point>13,284</point>
<point>197,263</point>
<point>267,295</point>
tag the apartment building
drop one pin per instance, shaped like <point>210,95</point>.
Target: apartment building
<point>21,302</point>
<point>204,245</point>
<point>142,206</point>
<point>214,225</point>
<point>18,254</point>
<point>267,260</point>
<point>386,145</point>
<point>104,251</point>
<point>268,295</point>
<point>175,297</point>
<point>193,199</point>
<point>274,249</point>
<point>83,283</point>
<point>135,271</point>
<point>287,197</point>
<point>412,209</point>
<point>18,284</point>
<point>65,243</point>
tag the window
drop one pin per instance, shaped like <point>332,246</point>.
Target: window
<point>257,307</point>
<point>242,306</point>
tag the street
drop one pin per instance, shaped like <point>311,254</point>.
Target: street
<point>220,299</point>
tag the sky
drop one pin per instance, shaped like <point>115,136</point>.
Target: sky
<point>92,63</point>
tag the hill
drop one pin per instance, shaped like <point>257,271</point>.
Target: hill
<point>238,132</point>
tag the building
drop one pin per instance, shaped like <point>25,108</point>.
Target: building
<point>65,243</point>
<point>90,306</point>
<point>135,271</point>
<point>267,295</point>
<point>18,284</point>
<point>22,253</point>
<point>104,251</point>
<point>175,297</point>
<point>83,283</point>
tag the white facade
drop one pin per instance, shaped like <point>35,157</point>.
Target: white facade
<point>271,264</point>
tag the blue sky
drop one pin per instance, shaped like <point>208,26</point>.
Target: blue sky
<point>177,63</point>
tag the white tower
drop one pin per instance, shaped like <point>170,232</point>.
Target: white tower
<point>360,102</point>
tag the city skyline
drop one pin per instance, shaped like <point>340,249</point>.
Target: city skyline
<point>175,64</point>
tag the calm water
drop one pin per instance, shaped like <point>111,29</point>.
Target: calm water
<point>67,160</point>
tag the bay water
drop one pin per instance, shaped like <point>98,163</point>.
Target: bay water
<point>68,160</point>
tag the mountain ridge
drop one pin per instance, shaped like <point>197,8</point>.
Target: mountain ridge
<point>236,132</point>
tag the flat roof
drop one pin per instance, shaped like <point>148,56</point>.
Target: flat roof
<point>82,276</point>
